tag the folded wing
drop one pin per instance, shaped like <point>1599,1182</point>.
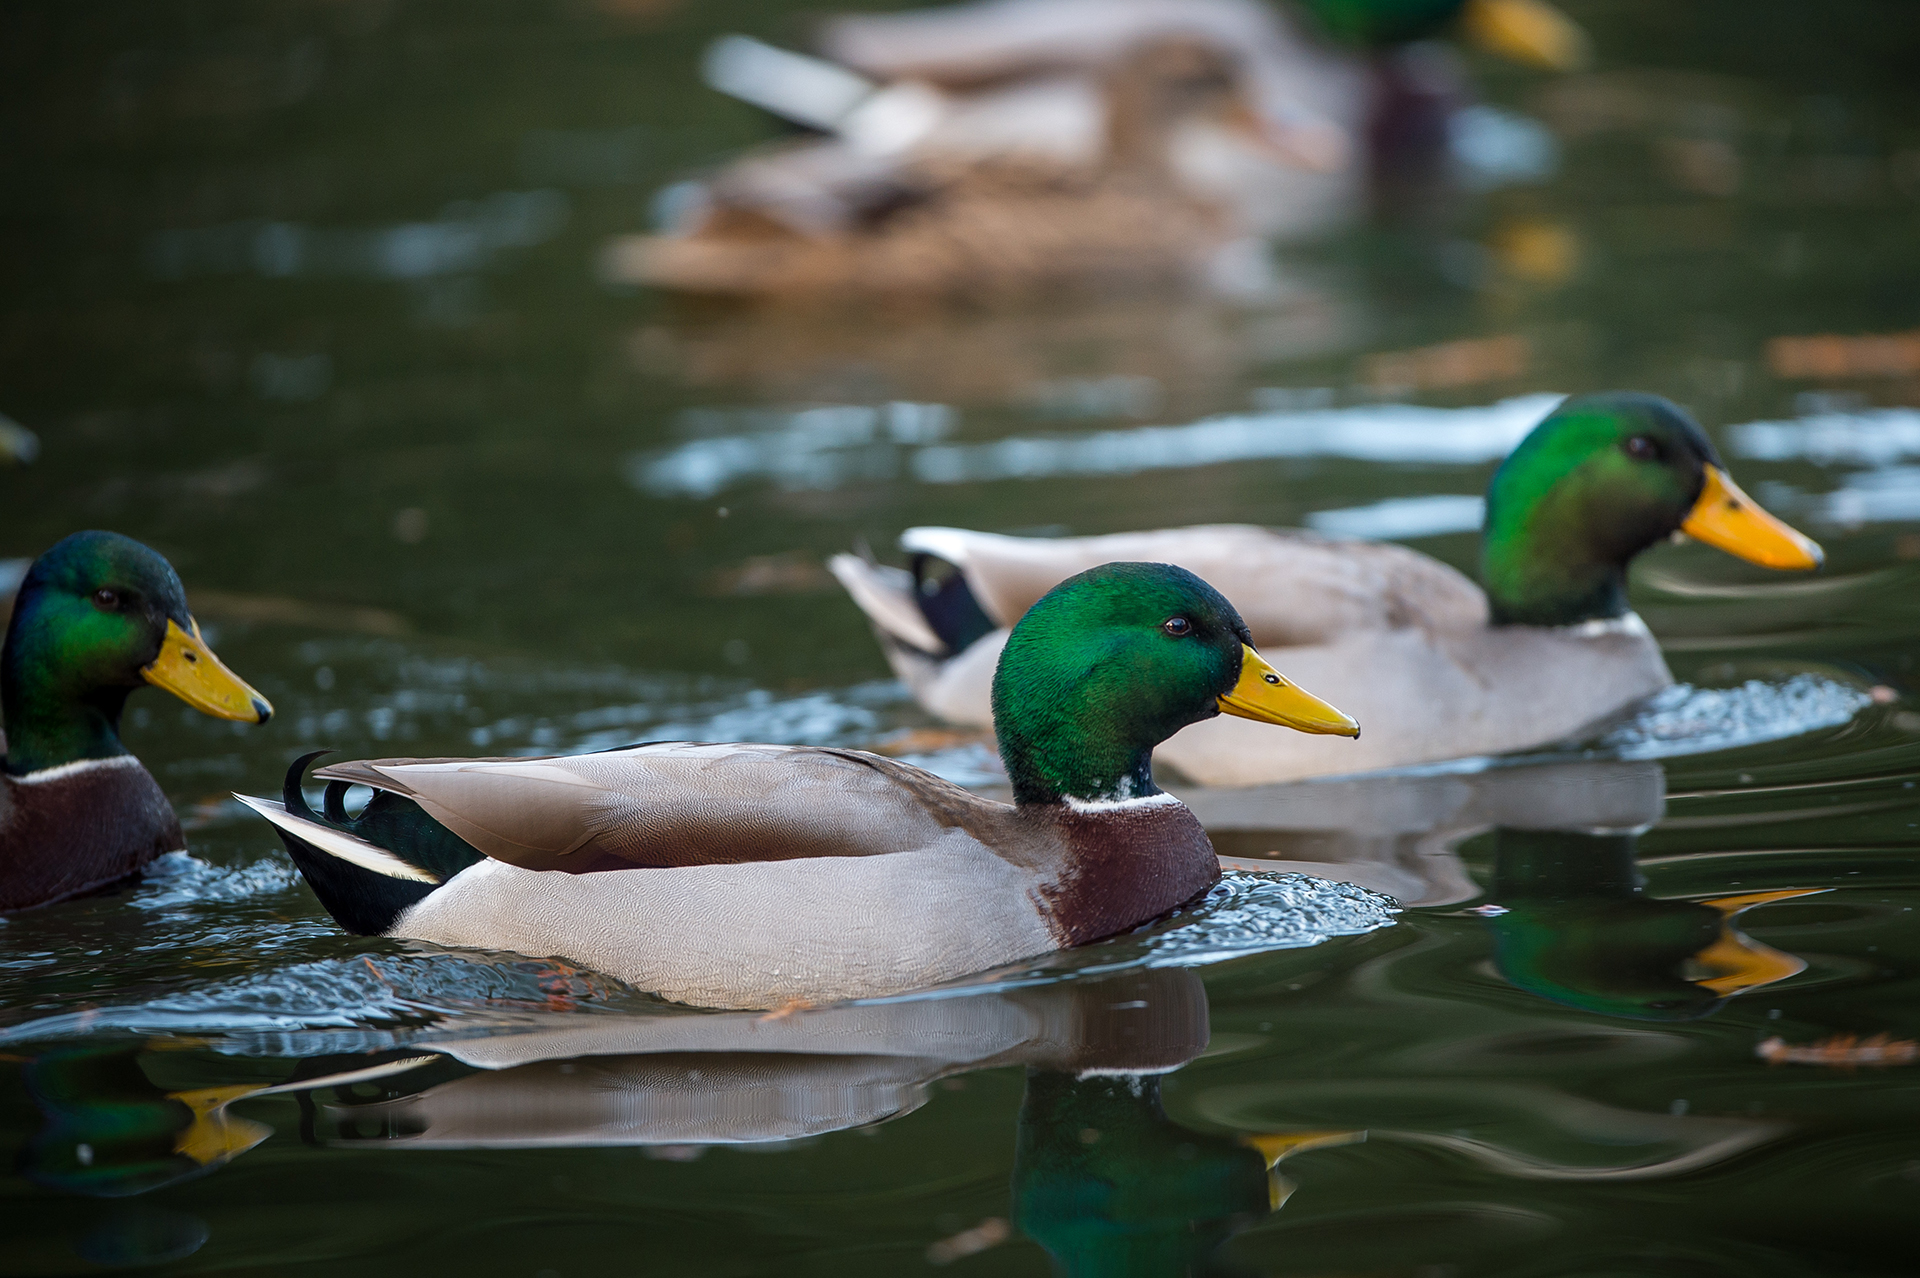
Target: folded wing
<point>1292,588</point>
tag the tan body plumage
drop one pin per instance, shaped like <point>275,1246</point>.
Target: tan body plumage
<point>1398,640</point>
<point>754,875</point>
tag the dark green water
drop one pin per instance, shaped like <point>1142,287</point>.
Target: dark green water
<point>303,295</point>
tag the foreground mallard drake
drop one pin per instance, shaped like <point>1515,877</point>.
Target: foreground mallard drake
<point>757,875</point>
<point>1434,666</point>
<point>98,616</point>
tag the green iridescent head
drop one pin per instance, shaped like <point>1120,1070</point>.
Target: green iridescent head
<point>98,616</point>
<point>1600,480</point>
<point>1112,662</point>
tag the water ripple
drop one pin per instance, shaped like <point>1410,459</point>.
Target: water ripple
<point>383,1000</point>
<point>180,878</point>
<point>371,1003</point>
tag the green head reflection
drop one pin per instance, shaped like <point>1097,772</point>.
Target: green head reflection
<point>1572,926</point>
<point>1111,1186</point>
<point>108,1131</point>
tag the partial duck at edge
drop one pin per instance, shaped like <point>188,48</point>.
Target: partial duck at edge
<point>97,617</point>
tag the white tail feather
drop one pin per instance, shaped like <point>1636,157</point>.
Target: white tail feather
<point>886,596</point>
<point>339,843</point>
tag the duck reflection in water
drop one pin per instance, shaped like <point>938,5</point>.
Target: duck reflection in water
<point>1103,1179</point>
<point>110,1130</point>
<point>1110,1185</point>
<point>1566,906</point>
<point>1571,924</point>
<point>1399,833</point>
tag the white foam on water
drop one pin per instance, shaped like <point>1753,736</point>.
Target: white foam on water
<point>1890,496</point>
<point>1252,912</point>
<point>182,879</point>
<point>1684,719</point>
<point>1369,432</point>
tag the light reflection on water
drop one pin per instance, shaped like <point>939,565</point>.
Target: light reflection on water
<point>829,447</point>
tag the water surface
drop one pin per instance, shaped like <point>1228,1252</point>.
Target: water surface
<point>304,295</point>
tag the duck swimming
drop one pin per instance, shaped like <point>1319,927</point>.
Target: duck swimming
<point>97,616</point>
<point>759,875</point>
<point>1437,667</point>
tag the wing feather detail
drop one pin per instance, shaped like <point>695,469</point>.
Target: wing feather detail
<point>679,804</point>
<point>1293,588</point>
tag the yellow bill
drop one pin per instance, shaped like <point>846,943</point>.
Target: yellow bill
<point>1267,696</point>
<point>215,1135</point>
<point>1735,963</point>
<point>1276,1146</point>
<point>187,668</point>
<point>1527,31</point>
<point>1729,520</point>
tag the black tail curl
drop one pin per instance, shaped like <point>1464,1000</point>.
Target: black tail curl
<point>365,901</point>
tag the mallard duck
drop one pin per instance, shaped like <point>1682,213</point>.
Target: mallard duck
<point>1353,89</point>
<point>1435,666</point>
<point>1019,145</point>
<point>756,875</point>
<point>97,616</point>
<point>1570,924</point>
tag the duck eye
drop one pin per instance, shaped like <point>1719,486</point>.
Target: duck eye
<point>106,600</point>
<point>1641,448</point>
<point>1177,626</point>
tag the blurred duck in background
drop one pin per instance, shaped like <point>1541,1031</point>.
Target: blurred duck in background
<point>97,616</point>
<point>1436,667</point>
<point>1019,144</point>
<point>1048,183</point>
